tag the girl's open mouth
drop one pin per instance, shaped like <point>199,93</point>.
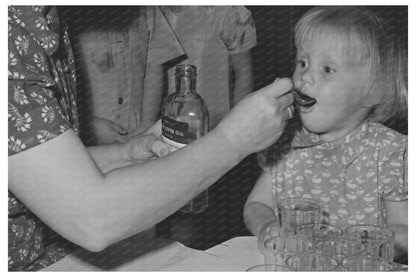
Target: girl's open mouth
<point>303,99</point>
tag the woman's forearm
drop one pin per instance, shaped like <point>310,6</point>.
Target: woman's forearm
<point>180,176</point>
<point>60,182</point>
<point>109,157</point>
<point>92,209</point>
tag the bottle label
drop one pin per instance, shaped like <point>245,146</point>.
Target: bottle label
<point>172,145</point>
<point>174,133</point>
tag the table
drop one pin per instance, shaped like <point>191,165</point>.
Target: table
<point>237,254</point>
<point>139,253</point>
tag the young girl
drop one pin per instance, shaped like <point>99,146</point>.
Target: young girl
<point>343,156</point>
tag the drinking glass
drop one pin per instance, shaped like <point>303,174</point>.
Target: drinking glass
<point>365,263</point>
<point>278,249</point>
<point>341,247</point>
<point>311,261</point>
<point>296,211</point>
<point>269,267</point>
<point>378,241</point>
<point>319,233</point>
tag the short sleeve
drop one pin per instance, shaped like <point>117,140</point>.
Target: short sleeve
<point>393,174</point>
<point>238,31</point>
<point>34,113</point>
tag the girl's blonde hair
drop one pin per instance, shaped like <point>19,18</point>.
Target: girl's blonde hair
<point>364,38</point>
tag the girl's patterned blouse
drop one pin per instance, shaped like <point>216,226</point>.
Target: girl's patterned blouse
<point>351,180</point>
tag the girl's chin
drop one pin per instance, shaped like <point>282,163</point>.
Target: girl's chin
<point>312,124</point>
<point>304,110</point>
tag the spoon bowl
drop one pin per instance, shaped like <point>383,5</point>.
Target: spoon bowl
<point>302,99</point>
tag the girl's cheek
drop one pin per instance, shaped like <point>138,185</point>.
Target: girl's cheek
<point>296,80</point>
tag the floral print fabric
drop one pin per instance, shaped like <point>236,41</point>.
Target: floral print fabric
<point>41,106</point>
<point>351,180</point>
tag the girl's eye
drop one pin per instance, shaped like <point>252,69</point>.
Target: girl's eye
<point>301,63</point>
<point>328,69</point>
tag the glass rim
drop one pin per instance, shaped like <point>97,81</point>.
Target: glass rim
<point>348,233</point>
<point>362,257</point>
<point>297,238</point>
<point>289,236</point>
<point>312,252</point>
<point>309,252</point>
<point>319,224</point>
<point>271,265</point>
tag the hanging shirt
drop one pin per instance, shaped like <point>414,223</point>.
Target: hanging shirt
<point>114,52</point>
<point>351,180</point>
<point>209,34</point>
<point>41,106</point>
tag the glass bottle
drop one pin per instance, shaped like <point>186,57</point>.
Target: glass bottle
<point>185,119</point>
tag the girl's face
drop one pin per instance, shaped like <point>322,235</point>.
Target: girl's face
<point>333,77</point>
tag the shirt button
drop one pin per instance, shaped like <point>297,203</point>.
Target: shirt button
<point>120,100</point>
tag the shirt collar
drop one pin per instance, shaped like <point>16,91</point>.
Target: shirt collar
<point>352,146</point>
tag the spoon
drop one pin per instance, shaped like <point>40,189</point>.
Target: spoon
<point>302,99</point>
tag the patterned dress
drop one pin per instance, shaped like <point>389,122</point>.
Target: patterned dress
<point>41,106</point>
<point>351,180</point>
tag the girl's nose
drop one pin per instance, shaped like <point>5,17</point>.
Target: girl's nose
<point>306,75</point>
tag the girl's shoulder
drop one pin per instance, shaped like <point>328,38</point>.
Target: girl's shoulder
<point>386,138</point>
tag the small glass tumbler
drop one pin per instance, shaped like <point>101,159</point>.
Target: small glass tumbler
<point>365,263</point>
<point>319,233</point>
<point>378,241</point>
<point>278,249</point>
<point>311,261</point>
<point>296,211</point>
<point>339,248</point>
<point>269,267</point>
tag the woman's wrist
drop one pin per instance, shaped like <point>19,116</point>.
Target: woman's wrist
<point>111,156</point>
<point>238,153</point>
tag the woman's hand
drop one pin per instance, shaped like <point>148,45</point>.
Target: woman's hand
<point>137,149</point>
<point>143,147</point>
<point>259,119</point>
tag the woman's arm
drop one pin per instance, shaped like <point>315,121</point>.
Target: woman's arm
<point>60,182</point>
<point>68,192</point>
<point>137,149</point>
